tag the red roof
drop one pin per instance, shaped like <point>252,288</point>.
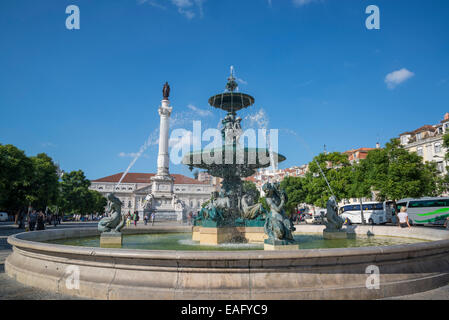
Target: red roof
<point>421,129</point>
<point>146,178</point>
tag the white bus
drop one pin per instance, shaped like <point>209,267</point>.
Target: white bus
<point>426,211</point>
<point>373,212</point>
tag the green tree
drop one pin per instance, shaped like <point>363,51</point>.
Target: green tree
<point>264,203</point>
<point>337,169</point>
<point>75,195</point>
<point>359,186</point>
<point>99,202</point>
<point>296,193</point>
<point>45,182</point>
<point>396,173</point>
<point>16,172</point>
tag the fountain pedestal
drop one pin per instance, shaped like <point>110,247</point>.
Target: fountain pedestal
<point>333,235</point>
<point>111,240</point>
<point>218,235</point>
<point>279,245</point>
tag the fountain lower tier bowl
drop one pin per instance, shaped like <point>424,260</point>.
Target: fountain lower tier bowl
<point>225,162</point>
<point>175,273</point>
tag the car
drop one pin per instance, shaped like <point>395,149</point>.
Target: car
<point>3,216</point>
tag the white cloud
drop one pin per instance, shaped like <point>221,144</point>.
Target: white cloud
<point>48,145</point>
<point>187,7</point>
<point>152,3</point>
<point>198,111</point>
<point>300,3</point>
<point>395,78</point>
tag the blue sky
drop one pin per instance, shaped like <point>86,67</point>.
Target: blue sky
<point>89,97</point>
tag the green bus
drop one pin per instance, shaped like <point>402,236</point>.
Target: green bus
<point>426,211</point>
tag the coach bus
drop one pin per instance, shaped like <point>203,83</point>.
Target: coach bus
<point>426,211</point>
<point>373,213</point>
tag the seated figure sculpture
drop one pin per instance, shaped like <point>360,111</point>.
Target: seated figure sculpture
<point>332,221</point>
<point>115,222</point>
<point>215,208</point>
<point>278,226</point>
<point>250,210</point>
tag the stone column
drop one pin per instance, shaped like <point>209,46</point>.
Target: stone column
<point>163,157</point>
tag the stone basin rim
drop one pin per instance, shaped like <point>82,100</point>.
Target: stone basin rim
<point>19,240</point>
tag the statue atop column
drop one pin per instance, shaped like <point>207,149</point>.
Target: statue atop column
<point>166,91</point>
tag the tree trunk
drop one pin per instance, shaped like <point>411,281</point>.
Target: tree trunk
<point>361,212</point>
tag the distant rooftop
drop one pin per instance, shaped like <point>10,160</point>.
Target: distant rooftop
<point>146,178</point>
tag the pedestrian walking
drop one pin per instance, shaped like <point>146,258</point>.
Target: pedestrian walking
<point>21,219</point>
<point>153,215</point>
<point>40,221</point>
<point>189,218</point>
<point>446,223</point>
<point>135,218</point>
<point>32,220</point>
<point>128,219</point>
<point>145,218</point>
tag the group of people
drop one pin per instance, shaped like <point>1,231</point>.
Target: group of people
<point>134,218</point>
<point>150,217</point>
<point>36,219</point>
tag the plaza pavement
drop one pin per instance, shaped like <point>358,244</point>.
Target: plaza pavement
<point>12,290</point>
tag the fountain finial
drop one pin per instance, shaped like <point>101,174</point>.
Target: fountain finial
<point>231,86</point>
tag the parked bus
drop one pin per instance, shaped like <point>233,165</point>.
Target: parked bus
<point>426,211</point>
<point>373,212</point>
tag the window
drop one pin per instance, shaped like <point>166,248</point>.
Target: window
<point>418,136</point>
<point>440,166</point>
<point>419,151</point>
<point>437,147</point>
<point>429,203</point>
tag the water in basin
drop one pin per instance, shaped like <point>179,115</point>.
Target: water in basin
<point>183,241</point>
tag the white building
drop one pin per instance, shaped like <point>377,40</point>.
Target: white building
<point>136,186</point>
<point>427,142</point>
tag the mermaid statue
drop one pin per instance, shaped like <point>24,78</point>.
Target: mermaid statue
<point>115,222</point>
<point>278,226</point>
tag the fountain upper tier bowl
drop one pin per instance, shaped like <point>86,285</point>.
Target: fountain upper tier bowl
<point>231,101</point>
<point>243,161</point>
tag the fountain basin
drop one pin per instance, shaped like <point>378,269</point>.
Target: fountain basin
<point>301,274</point>
<point>243,161</point>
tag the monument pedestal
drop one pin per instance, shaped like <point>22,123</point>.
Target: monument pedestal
<point>333,235</point>
<point>279,245</point>
<point>217,235</point>
<point>111,240</point>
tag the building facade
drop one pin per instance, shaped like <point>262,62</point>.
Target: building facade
<point>427,142</point>
<point>189,194</point>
